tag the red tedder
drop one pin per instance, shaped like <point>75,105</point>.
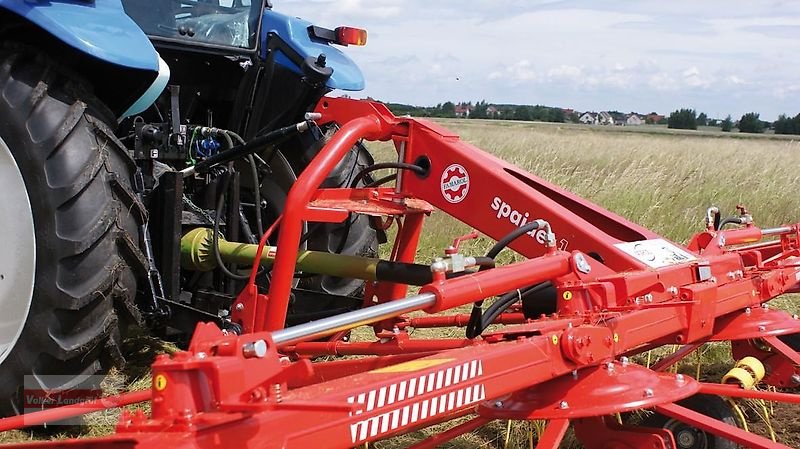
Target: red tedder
<point>604,289</point>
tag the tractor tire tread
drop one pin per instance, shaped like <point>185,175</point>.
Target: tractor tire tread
<point>87,224</point>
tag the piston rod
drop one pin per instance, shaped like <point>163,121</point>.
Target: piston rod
<point>774,231</point>
<point>349,320</point>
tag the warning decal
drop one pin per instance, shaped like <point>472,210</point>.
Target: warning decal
<point>656,253</point>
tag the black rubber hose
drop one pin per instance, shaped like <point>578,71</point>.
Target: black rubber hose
<point>475,318</point>
<point>256,194</point>
<point>505,301</point>
<point>253,174</point>
<point>484,262</point>
<point>383,165</point>
<point>254,145</point>
<point>215,236</point>
<point>510,237</point>
<point>729,220</point>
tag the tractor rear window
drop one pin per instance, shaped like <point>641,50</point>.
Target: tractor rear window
<point>231,23</point>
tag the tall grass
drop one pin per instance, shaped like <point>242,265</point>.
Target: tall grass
<point>663,182</point>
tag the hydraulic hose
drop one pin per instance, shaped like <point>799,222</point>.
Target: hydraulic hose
<point>511,236</point>
<point>215,234</point>
<point>475,325</point>
<point>383,165</point>
<point>240,151</point>
<point>500,306</point>
<point>729,220</point>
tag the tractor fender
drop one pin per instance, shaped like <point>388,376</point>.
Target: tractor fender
<point>294,31</point>
<point>102,30</point>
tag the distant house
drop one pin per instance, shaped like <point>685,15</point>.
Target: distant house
<point>634,120</point>
<point>493,112</point>
<point>604,118</point>
<point>588,118</point>
<point>653,118</point>
<point>463,110</point>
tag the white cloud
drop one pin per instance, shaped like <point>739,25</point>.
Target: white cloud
<point>582,54</point>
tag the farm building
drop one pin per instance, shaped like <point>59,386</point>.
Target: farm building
<point>588,118</point>
<point>634,120</point>
<point>463,110</point>
<point>604,118</point>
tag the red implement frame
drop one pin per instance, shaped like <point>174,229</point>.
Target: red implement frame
<point>621,290</point>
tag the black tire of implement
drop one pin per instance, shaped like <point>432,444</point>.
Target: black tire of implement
<point>791,340</point>
<point>354,237</point>
<point>78,177</point>
<point>709,405</point>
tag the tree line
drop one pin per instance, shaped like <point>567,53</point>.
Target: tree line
<point>748,123</point>
<point>684,118</point>
<point>483,110</point>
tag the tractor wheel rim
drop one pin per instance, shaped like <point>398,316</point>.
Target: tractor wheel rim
<point>18,258</point>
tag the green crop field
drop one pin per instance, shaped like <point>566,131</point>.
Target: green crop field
<point>660,179</point>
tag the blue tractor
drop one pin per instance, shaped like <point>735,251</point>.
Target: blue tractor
<point>102,103</point>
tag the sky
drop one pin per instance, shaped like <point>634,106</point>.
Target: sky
<point>718,57</point>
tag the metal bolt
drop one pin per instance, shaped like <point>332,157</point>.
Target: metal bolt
<point>731,275</point>
<point>239,307</point>
<point>255,349</point>
<point>794,317</point>
<point>721,242</point>
<point>648,298</point>
<point>747,311</point>
<point>276,393</point>
<point>765,306</point>
<point>574,374</point>
<point>679,378</point>
<point>498,404</point>
<point>673,291</point>
<point>624,361</point>
<point>563,405</point>
<point>610,366</point>
<point>582,264</point>
<point>796,379</point>
<point>648,393</point>
<point>201,355</point>
<point>762,328</point>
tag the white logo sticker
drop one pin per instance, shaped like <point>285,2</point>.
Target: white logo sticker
<point>455,183</point>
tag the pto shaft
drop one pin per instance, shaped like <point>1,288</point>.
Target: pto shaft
<point>197,255</point>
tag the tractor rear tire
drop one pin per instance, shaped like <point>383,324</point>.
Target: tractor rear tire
<point>354,237</point>
<point>86,225</point>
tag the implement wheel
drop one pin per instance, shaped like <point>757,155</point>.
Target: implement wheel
<point>688,437</point>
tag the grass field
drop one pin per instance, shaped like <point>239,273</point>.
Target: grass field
<point>660,179</point>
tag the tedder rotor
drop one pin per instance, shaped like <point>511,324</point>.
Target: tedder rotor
<point>596,290</point>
